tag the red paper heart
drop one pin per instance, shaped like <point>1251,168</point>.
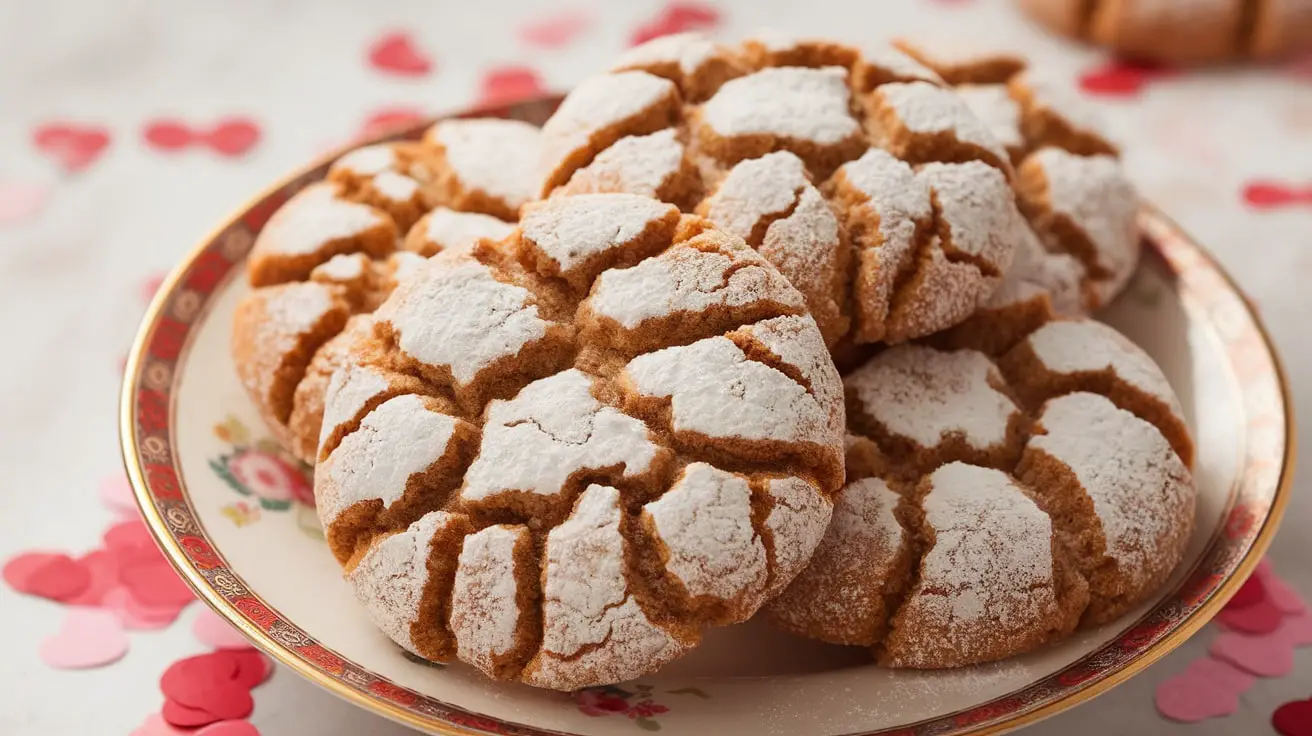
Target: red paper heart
<point>217,633</point>
<point>73,145</point>
<point>1261,618</point>
<point>49,575</point>
<point>676,18</point>
<point>233,137</point>
<point>505,84</point>
<point>1250,593</point>
<point>102,566</point>
<point>177,714</point>
<point>1293,718</point>
<point>155,583</point>
<point>229,728</point>
<point>129,536</point>
<point>207,683</point>
<point>1121,78</point>
<point>137,616</point>
<point>556,30</point>
<point>396,53</point>
<point>1269,194</point>
<point>388,119</point>
<point>229,137</point>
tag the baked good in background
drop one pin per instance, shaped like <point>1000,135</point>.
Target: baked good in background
<point>1182,31</point>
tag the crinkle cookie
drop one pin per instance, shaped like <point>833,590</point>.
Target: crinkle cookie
<point>334,251</point>
<point>1183,31</point>
<point>1083,242</point>
<point>994,503</point>
<point>560,457</point>
<point>882,193</point>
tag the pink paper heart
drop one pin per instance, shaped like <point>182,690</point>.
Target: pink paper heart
<point>116,494</point>
<point>556,30</point>
<point>88,638</point>
<point>1281,595</point>
<point>229,728</point>
<point>1208,688</point>
<point>136,616</point>
<point>155,725</point>
<point>21,201</point>
<point>1260,618</point>
<point>216,633</point>
<point>1264,656</point>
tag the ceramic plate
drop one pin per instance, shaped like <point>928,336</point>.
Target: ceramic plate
<point>230,511</point>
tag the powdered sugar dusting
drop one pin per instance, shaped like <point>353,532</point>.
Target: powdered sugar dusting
<point>716,391</point>
<point>398,439</point>
<point>1139,487</point>
<point>756,189</point>
<point>688,50</point>
<point>927,395</point>
<point>1095,194</point>
<point>1062,101</point>
<point>587,607</point>
<point>342,267</point>
<point>794,102</point>
<point>484,610</point>
<point>551,430</point>
<point>454,313</point>
<point>797,523</point>
<point>796,341</point>
<point>395,187</point>
<point>492,155</point>
<point>312,218</point>
<point>390,579</point>
<point>639,164</point>
<point>979,208</point>
<point>686,279</point>
<point>705,523</point>
<point>573,230</point>
<point>901,66</point>
<point>446,229</point>
<point>598,103</point>
<point>927,108</point>
<point>368,160</point>
<point>1074,346</point>
<point>993,105</point>
<point>1036,270</point>
<point>350,389</point>
<point>990,571</point>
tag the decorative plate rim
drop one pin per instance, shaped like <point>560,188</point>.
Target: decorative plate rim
<point>147,408</point>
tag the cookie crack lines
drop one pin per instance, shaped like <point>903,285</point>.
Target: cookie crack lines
<point>775,129</point>
<point>618,417</point>
<point>1054,466</point>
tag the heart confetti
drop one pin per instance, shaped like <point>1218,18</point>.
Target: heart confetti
<point>155,725</point>
<point>397,53</point>
<point>50,575</point>
<point>1265,195</point>
<point>74,146</point>
<point>88,638</point>
<point>1250,593</point>
<point>229,137</point>
<point>1121,78</point>
<point>1270,655</point>
<point>216,633</point>
<point>1260,618</point>
<point>557,30</point>
<point>676,18</point>
<point>229,728</point>
<point>211,687</point>
<point>1206,689</point>
<point>102,566</point>
<point>115,490</point>
<point>388,119</point>
<point>505,84</point>
<point>21,201</point>
<point>1293,718</point>
<point>154,583</point>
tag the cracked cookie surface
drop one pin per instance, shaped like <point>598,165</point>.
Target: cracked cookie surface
<point>560,457</point>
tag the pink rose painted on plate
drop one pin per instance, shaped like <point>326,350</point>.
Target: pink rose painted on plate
<point>260,469</point>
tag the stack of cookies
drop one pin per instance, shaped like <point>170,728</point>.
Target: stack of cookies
<point>786,327</point>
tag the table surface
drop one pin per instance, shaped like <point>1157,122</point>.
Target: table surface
<point>71,275</point>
